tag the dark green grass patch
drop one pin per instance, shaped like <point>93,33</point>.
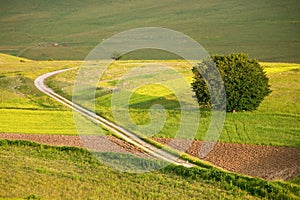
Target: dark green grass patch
<point>267,30</point>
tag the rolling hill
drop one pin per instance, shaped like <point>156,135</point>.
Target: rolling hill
<point>267,30</point>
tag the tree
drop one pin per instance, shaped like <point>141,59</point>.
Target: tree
<point>115,55</point>
<point>246,84</point>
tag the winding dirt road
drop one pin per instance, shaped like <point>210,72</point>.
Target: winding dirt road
<point>119,131</point>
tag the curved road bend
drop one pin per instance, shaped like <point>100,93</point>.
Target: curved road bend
<point>121,132</point>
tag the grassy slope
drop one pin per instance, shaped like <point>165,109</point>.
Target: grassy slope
<point>23,108</point>
<point>268,30</point>
<point>71,173</point>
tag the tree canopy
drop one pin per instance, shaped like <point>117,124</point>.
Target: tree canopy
<point>246,84</point>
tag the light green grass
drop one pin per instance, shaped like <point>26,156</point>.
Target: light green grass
<point>271,68</point>
<point>23,108</point>
<point>268,30</point>
<point>72,173</point>
<point>37,121</point>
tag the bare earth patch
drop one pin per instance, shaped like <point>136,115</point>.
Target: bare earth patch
<point>268,162</point>
<point>103,143</point>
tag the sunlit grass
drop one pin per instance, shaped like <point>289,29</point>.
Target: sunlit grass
<point>271,68</point>
<point>37,121</point>
<point>275,122</point>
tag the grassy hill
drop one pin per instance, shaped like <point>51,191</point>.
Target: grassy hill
<point>268,30</point>
<point>40,171</point>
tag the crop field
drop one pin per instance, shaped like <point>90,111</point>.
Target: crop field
<point>267,30</point>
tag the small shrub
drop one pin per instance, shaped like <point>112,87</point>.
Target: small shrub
<point>116,56</point>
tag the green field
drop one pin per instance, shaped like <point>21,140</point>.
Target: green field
<point>26,110</point>
<point>29,169</point>
<point>267,30</point>
<point>275,122</point>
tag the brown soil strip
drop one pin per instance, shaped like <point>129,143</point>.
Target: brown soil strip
<point>268,162</point>
<point>97,143</point>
